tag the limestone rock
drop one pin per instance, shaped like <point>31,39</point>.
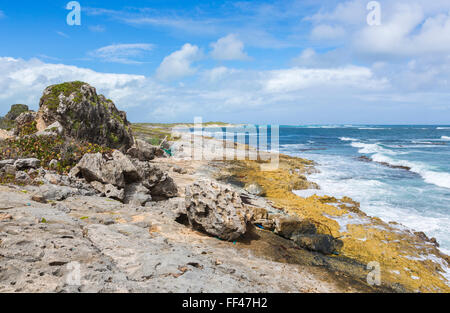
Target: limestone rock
<point>84,115</point>
<point>27,163</point>
<point>254,189</point>
<point>116,171</point>
<point>24,123</point>
<point>216,210</point>
<point>136,194</point>
<point>142,151</point>
<point>160,184</point>
<point>6,162</point>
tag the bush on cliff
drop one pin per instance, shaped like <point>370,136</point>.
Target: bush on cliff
<point>46,148</point>
<point>8,121</point>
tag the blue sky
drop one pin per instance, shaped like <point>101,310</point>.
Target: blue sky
<point>284,62</point>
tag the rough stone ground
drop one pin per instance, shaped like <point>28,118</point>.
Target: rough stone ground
<point>122,248</point>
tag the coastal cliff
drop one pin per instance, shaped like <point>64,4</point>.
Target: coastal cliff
<point>81,191</point>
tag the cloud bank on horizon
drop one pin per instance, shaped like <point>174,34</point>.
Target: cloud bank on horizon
<point>286,62</point>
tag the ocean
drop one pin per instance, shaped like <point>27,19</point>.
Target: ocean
<point>397,173</point>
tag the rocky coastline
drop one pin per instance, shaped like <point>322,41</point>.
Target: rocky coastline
<point>89,207</point>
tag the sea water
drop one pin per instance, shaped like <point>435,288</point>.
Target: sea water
<point>404,177</point>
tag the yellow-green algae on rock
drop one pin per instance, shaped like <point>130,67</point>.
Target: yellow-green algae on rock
<point>406,259</point>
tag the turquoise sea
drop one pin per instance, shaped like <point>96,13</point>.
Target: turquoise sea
<point>397,173</point>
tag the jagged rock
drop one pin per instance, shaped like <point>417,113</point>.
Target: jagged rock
<point>7,162</point>
<point>108,190</point>
<point>54,179</point>
<point>142,151</point>
<point>22,177</point>
<point>52,192</point>
<point>216,210</point>
<point>179,169</point>
<point>325,244</point>
<point>116,171</point>
<point>160,184</point>
<point>254,189</point>
<point>9,169</point>
<point>53,129</point>
<point>84,115</point>
<point>288,227</point>
<point>136,194</point>
<point>21,164</point>
<point>24,123</point>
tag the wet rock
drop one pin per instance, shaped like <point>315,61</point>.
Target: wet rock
<point>21,164</point>
<point>325,244</point>
<point>84,115</point>
<point>289,227</point>
<point>216,210</point>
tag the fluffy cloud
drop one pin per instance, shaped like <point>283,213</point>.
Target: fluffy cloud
<point>178,64</point>
<point>295,79</point>
<point>326,32</point>
<point>23,81</point>
<point>121,53</point>
<point>228,48</point>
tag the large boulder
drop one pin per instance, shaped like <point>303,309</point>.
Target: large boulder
<point>216,209</point>
<point>160,184</point>
<point>84,115</point>
<point>143,151</point>
<point>117,170</point>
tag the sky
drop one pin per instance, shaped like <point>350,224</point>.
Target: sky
<point>283,62</point>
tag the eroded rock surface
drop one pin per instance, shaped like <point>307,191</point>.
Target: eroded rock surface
<point>216,209</point>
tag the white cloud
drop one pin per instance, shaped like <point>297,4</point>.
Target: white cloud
<point>325,32</point>
<point>228,48</point>
<point>178,64</point>
<point>24,81</point>
<point>121,53</point>
<point>295,79</point>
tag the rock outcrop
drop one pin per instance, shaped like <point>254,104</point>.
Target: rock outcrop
<point>216,209</point>
<point>118,177</point>
<point>84,115</point>
<point>8,121</point>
